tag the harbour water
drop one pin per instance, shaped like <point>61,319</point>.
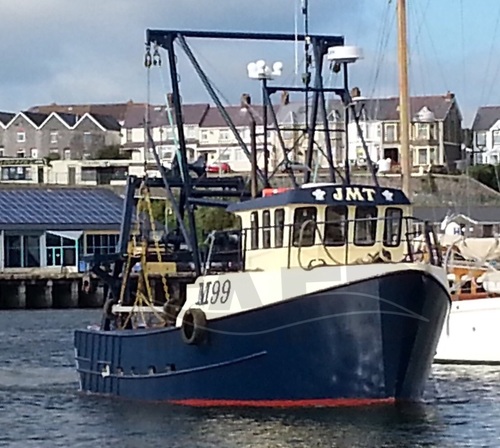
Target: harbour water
<point>40,405</point>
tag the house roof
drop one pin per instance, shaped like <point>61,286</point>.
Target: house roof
<point>192,114</point>
<point>239,116</point>
<point>6,117</point>
<point>36,118</point>
<point>107,122</point>
<point>479,213</point>
<point>387,109</point>
<point>116,110</point>
<point>59,209</point>
<point>486,117</point>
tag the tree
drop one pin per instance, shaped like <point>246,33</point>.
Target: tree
<point>111,152</point>
<point>488,175</point>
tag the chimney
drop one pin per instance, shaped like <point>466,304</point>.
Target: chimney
<point>285,98</point>
<point>449,96</point>
<point>355,92</point>
<point>246,100</point>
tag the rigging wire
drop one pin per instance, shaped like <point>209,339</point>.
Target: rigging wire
<point>490,57</point>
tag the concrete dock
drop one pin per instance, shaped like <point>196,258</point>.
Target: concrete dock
<point>30,290</point>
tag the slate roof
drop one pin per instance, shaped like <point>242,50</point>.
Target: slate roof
<point>239,116</point>
<point>107,122</point>
<point>60,209</point>
<point>116,110</point>
<point>6,117</point>
<point>387,109</point>
<point>36,117</point>
<point>69,119</point>
<point>485,118</point>
<point>484,214</point>
<point>192,114</point>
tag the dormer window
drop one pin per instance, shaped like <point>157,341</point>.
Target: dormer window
<point>304,226</point>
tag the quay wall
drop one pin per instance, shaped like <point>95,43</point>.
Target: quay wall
<point>43,290</point>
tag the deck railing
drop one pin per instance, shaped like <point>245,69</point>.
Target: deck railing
<point>344,242</point>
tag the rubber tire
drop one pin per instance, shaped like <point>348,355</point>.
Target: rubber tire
<point>194,326</point>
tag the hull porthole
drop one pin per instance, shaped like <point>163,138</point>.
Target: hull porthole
<point>193,328</point>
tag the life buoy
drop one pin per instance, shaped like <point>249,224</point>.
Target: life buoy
<point>194,326</point>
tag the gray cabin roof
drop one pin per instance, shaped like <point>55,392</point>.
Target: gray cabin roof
<point>327,194</point>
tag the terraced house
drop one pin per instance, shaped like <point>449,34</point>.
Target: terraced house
<point>29,139</point>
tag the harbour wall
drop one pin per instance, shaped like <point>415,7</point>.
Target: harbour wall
<point>29,291</point>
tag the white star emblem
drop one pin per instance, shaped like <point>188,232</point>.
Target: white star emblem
<point>388,195</point>
<point>319,195</point>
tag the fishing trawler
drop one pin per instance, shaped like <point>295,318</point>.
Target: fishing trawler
<point>319,297</point>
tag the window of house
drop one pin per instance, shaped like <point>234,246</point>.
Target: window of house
<point>279,227</point>
<point>224,136</point>
<point>16,173</point>
<point>421,131</point>
<point>89,174</point>
<point>204,136</point>
<point>87,138</point>
<point>496,137</point>
<point>101,243</point>
<point>22,251</point>
<point>304,226</point>
<point>21,137</point>
<point>266,229</point>
<point>365,229</point>
<point>1,152</point>
<point>481,138</point>
<point>392,226</point>
<point>53,137</point>
<point>254,230</point>
<point>432,156</point>
<point>225,155</point>
<point>128,135</point>
<point>422,156</point>
<point>487,230</point>
<point>34,153</point>
<point>67,154</point>
<point>335,225</point>
<point>61,251</point>
<point>21,153</point>
<point>390,132</point>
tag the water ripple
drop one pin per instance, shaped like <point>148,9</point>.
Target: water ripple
<point>40,406</point>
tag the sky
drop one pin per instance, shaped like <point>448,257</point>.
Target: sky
<point>92,51</point>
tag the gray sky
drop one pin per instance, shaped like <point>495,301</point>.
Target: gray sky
<point>92,51</point>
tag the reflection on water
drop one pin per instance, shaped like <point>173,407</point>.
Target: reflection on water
<point>40,406</point>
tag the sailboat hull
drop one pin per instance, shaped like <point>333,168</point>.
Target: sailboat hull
<point>373,340</point>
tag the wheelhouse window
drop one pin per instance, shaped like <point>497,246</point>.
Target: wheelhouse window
<point>266,229</point>
<point>392,227</point>
<point>365,229</point>
<point>304,226</point>
<point>279,227</point>
<point>335,225</point>
<point>254,230</point>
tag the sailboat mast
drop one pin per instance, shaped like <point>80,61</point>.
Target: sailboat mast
<point>404,101</point>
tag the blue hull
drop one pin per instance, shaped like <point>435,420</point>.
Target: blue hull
<point>371,340</point>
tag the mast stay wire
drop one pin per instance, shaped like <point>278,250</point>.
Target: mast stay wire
<point>490,58</point>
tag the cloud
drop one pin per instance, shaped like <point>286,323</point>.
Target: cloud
<point>92,50</point>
